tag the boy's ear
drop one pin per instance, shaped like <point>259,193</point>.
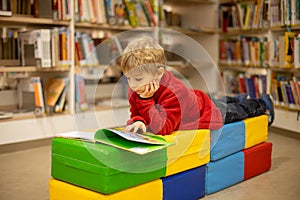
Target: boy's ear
<point>160,72</point>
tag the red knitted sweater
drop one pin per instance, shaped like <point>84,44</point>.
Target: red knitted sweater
<point>174,107</point>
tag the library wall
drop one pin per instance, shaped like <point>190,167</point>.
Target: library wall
<point>259,53</point>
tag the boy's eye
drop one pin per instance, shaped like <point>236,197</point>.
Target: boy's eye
<point>138,79</point>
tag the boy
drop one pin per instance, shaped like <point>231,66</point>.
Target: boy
<point>161,103</point>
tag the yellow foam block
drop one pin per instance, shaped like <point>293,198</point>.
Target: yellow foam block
<point>256,129</point>
<point>60,190</point>
<point>191,149</point>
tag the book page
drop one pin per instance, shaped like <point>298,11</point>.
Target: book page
<point>136,137</point>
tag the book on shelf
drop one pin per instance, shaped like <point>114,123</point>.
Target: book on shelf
<point>131,13</point>
<point>100,11</point>
<point>80,93</point>
<point>54,91</point>
<point>64,42</point>
<point>284,13</point>
<point>133,142</point>
<point>297,51</point>
<point>149,12</point>
<point>36,48</point>
<point>142,19</point>
<point>110,12</point>
<point>30,95</point>
<point>85,50</point>
<point>9,45</point>
<point>5,8</point>
<point>244,15</point>
<point>61,101</point>
<point>38,95</point>
<point>289,49</point>
<point>285,90</point>
<point>258,14</point>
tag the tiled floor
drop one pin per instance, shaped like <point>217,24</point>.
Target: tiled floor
<point>24,174</point>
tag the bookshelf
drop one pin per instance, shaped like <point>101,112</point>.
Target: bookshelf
<point>253,42</point>
<point>194,25</point>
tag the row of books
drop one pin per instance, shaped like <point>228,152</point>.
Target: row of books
<point>118,12</point>
<point>9,44</point>
<point>285,90</point>
<point>54,9</point>
<point>53,97</point>
<point>237,83</point>
<point>284,12</point>
<point>246,51</point>
<point>172,19</point>
<point>282,51</point>
<point>285,51</point>
<point>33,96</point>
<point>5,8</point>
<point>46,47</point>
<point>245,15</point>
<point>56,94</point>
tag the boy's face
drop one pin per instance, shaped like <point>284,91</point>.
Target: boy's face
<point>138,80</point>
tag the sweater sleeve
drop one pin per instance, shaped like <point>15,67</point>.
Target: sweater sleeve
<point>162,118</point>
<point>210,115</point>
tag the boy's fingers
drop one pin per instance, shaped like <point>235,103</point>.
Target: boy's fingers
<point>128,128</point>
<point>136,128</point>
<point>144,129</point>
<point>152,86</point>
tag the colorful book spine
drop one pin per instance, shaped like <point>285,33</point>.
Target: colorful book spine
<point>288,49</point>
<point>297,51</point>
<point>38,93</point>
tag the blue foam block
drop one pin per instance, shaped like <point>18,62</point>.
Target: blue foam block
<point>185,185</point>
<point>225,172</point>
<point>227,140</point>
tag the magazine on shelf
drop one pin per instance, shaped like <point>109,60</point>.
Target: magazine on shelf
<point>134,142</point>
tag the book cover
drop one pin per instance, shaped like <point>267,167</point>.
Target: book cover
<point>53,90</point>
<point>38,93</point>
<point>128,141</point>
<point>149,11</point>
<point>289,49</point>
<point>297,51</point>
<point>251,88</point>
<point>131,14</point>
<point>294,91</point>
<point>258,13</point>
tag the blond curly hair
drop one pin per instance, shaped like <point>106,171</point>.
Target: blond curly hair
<point>143,54</point>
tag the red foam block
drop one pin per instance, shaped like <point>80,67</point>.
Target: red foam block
<point>257,159</point>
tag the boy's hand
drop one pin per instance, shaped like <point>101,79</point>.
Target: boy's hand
<point>150,89</point>
<point>136,126</point>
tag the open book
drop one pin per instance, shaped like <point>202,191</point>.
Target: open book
<point>133,142</point>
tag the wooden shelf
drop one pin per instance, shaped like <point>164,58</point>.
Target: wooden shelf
<point>245,68</point>
<point>285,107</point>
<point>180,2</point>
<point>243,32</point>
<point>101,26</point>
<point>284,29</point>
<point>292,70</point>
<point>30,20</point>
<point>33,69</point>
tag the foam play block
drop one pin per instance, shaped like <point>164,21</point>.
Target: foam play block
<point>103,168</point>
<point>227,140</point>
<point>224,172</point>
<point>256,130</point>
<point>59,190</point>
<point>257,159</point>
<point>191,149</point>
<point>189,184</point>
